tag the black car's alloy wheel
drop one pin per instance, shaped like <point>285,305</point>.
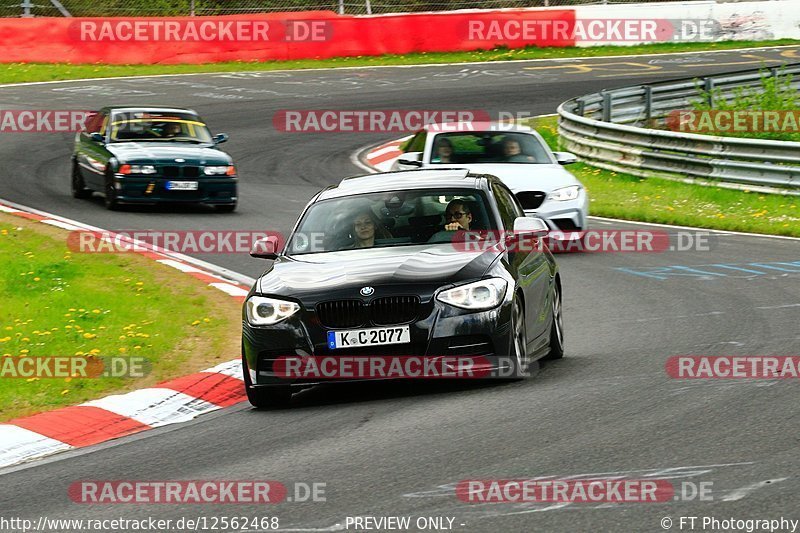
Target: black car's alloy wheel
<point>519,341</point>
<point>111,195</point>
<point>79,189</point>
<point>557,327</point>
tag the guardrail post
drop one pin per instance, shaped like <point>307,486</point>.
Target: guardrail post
<point>708,84</point>
<point>581,107</point>
<point>648,102</point>
<point>26,8</point>
<point>607,102</point>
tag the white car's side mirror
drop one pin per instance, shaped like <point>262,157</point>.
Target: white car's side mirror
<point>410,159</point>
<point>565,158</point>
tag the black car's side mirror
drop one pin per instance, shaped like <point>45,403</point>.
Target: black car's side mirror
<point>220,138</point>
<point>97,137</point>
<point>266,248</point>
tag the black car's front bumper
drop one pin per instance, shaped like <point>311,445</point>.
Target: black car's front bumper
<point>145,189</point>
<point>442,331</point>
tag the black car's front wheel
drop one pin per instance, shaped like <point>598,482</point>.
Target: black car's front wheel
<point>518,361</point>
<point>111,201</point>
<point>79,189</point>
<point>275,397</point>
<point>557,327</point>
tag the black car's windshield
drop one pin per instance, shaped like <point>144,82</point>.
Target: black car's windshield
<point>398,218</point>
<point>159,127</point>
<point>488,147</point>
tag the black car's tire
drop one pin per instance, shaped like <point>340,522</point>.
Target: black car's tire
<point>277,397</point>
<point>556,328</point>
<point>518,359</point>
<point>111,202</point>
<point>225,208</point>
<point>79,189</point>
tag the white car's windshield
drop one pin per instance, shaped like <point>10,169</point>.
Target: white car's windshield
<point>488,147</point>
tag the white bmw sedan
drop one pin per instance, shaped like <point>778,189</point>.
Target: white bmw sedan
<point>517,155</point>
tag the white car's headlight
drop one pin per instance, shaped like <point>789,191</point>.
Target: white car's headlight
<point>565,193</point>
<point>263,311</point>
<point>483,294</point>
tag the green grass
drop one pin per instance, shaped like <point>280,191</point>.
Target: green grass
<point>57,303</point>
<point>618,195</point>
<point>29,72</point>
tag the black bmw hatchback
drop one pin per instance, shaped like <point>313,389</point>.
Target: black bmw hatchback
<point>421,264</point>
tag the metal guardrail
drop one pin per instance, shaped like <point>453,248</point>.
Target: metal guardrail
<point>610,130</point>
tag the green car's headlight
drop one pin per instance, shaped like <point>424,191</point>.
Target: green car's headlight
<point>263,311</point>
<point>484,294</point>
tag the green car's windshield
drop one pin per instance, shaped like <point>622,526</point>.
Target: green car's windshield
<point>397,218</point>
<point>156,127</point>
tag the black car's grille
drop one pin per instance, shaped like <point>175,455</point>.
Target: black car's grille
<point>175,171</point>
<point>191,172</point>
<point>384,311</point>
<point>531,199</point>
<point>394,310</point>
<point>342,313</point>
<point>171,171</point>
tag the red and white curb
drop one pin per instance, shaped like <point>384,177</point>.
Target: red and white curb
<point>383,157</point>
<point>170,402</point>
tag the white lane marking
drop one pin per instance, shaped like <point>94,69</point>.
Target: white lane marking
<point>20,444</point>
<point>183,267</point>
<point>719,231</point>
<point>738,494</point>
<point>229,289</point>
<point>418,65</point>
<point>60,224</point>
<point>710,313</point>
<point>779,306</point>
<point>13,207</point>
<point>155,406</point>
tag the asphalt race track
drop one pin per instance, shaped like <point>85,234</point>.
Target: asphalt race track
<point>398,450</point>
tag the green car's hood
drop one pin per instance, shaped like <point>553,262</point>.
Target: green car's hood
<point>161,153</point>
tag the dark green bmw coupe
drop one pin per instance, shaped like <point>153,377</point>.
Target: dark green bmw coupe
<point>152,155</point>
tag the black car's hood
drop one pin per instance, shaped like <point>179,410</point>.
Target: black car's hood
<point>317,276</point>
<point>165,153</point>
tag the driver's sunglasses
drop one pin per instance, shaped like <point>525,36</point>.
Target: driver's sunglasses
<point>456,215</point>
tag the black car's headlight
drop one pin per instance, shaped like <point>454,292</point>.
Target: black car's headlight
<point>220,170</point>
<point>484,294</point>
<point>136,169</point>
<point>263,311</point>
